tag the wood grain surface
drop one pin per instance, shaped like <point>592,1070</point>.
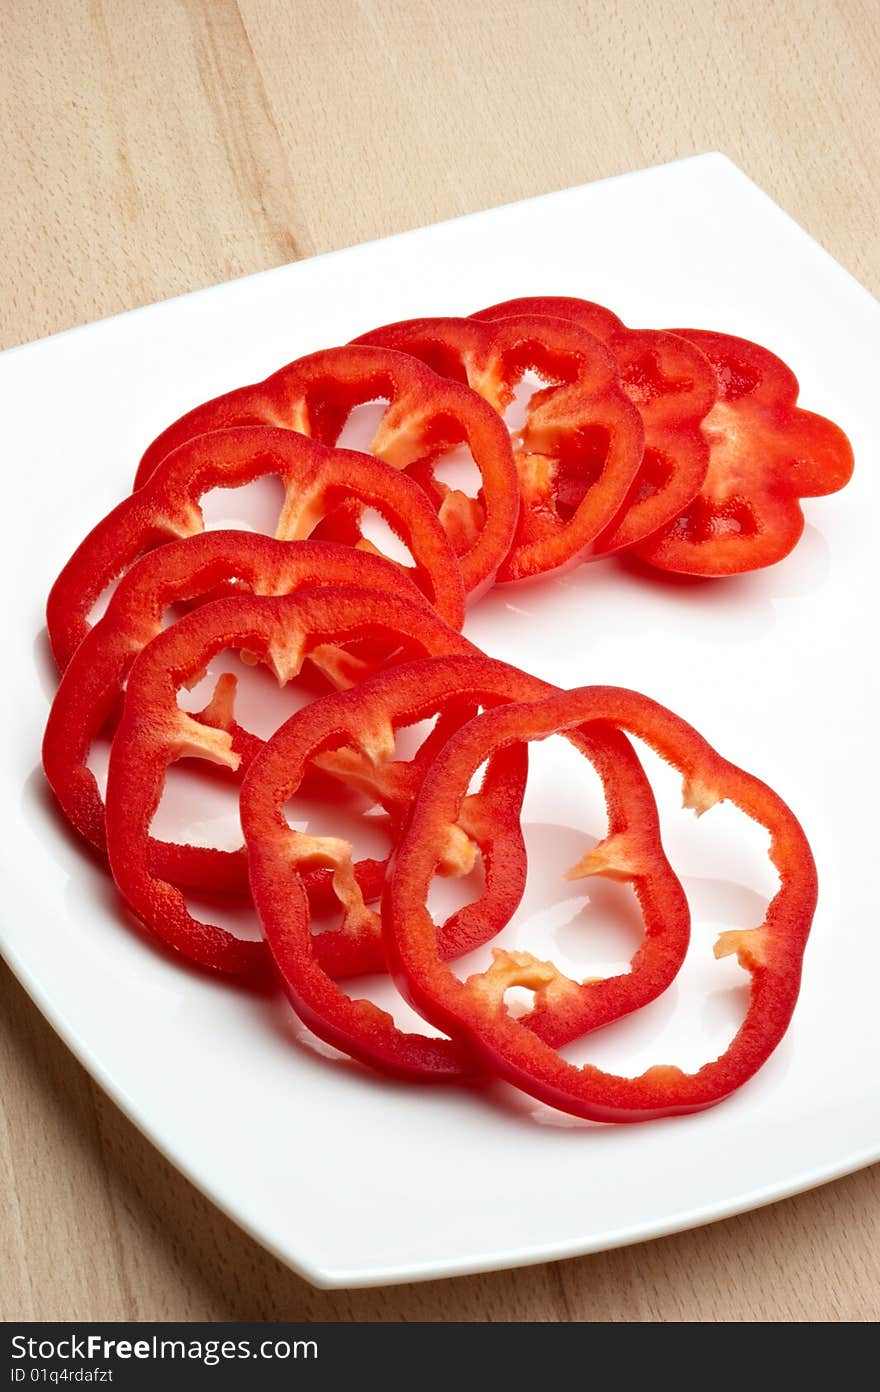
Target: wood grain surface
<point>149,149</point>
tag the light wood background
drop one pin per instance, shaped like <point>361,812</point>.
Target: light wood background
<point>149,149</point>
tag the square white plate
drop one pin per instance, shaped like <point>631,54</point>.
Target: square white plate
<point>354,1181</point>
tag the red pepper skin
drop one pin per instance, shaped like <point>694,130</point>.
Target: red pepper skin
<point>592,317</point>
<point>93,681</point>
<point>489,819</point>
<point>765,455</point>
<point>153,732</point>
<point>473,1011</point>
<point>315,480</point>
<point>673,387</point>
<point>582,443</point>
<point>426,416</point>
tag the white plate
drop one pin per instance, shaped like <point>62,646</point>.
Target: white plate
<point>354,1181</point>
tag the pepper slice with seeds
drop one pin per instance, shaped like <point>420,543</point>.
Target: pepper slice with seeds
<point>328,733</point>
<point>315,479</point>
<point>91,687</point>
<point>154,732</point>
<point>671,384</point>
<point>426,417</point>
<point>581,445</point>
<point>765,454</point>
<point>473,1011</point>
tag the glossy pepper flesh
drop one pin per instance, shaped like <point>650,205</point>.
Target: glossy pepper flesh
<point>765,454</point>
<point>426,417</point>
<point>315,479</point>
<point>673,386</point>
<point>580,447</point>
<point>473,1011</point>
<point>153,732</point>
<point>91,687</point>
<point>327,733</point>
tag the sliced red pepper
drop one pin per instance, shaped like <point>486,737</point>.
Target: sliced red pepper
<point>153,731</point>
<point>595,318</point>
<point>322,734</point>
<point>93,681</point>
<point>426,417</point>
<point>673,386</point>
<point>765,455</point>
<point>315,480</point>
<point>474,1012</point>
<point>582,442</point>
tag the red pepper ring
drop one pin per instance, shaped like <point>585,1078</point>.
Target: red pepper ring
<point>673,386</point>
<point>426,416</point>
<point>594,318</point>
<point>153,732</point>
<point>93,680</point>
<point>321,734</point>
<point>582,442</point>
<point>315,480</point>
<point>473,1011</point>
<point>765,454</point>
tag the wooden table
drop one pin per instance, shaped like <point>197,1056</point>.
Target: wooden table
<point>151,149</point>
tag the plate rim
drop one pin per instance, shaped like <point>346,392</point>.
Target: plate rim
<point>684,1220</point>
